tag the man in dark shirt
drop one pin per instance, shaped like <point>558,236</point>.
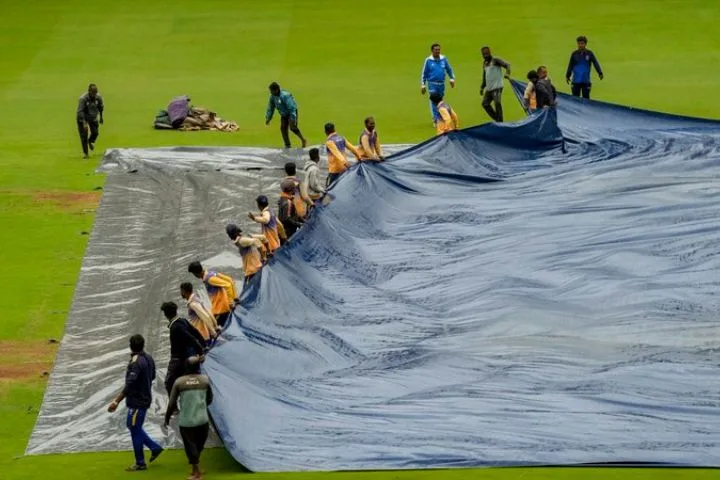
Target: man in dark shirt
<point>138,398</point>
<point>579,70</point>
<point>492,83</point>
<point>287,213</point>
<point>545,94</point>
<point>185,342</point>
<point>90,107</point>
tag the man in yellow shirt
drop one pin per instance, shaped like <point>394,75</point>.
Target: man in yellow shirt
<point>199,316</point>
<point>448,118</point>
<point>336,146</point>
<point>370,148</point>
<point>220,289</point>
<point>250,247</point>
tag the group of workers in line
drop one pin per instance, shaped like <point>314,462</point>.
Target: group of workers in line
<point>190,338</point>
<point>188,390</point>
<point>193,336</point>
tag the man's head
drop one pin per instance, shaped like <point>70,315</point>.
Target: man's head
<point>169,309</point>
<point>186,290</point>
<point>262,202</point>
<point>370,124</point>
<point>329,128</point>
<point>274,88</point>
<point>196,269</point>
<point>542,71</point>
<point>314,154</point>
<point>137,343</point>
<point>533,76</point>
<point>287,187</point>
<point>435,49</point>
<point>581,42</point>
<point>192,365</point>
<point>290,169</point>
<point>436,98</point>
<point>92,90</point>
<point>486,53</point>
<point>233,231</point>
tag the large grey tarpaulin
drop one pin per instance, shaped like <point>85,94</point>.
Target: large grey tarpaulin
<point>161,209</point>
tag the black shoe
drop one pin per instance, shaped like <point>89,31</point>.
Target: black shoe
<point>85,155</point>
<point>136,468</point>
<point>92,146</point>
<point>156,454</point>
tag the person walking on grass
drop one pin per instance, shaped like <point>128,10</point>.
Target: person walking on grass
<point>89,116</point>
<point>284,103</point>
<point>191,395</point>
<point>579,71</point>
<point>432,79</point>
<point>138,398</point>
<point>492,83</point>
<point>185,342</point>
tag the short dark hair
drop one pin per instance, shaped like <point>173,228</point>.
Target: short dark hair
<point>290,168</point>
<point>92,85</point>
<point>169,309</point>
<point>581,38</point>
<point>314,154</point>
<point>329,128</point>
<point>262,201</point>
<point>192,365</point>
<point>436,97</point>
<point>274,86</point>
<point>137,343</point>
<point>433,46</point>
<point>533,75</point>
<point>186,287</point>
<point>485,48</point>
<point>368,119</point>
<point>233,231</point>
<point>195,268</point>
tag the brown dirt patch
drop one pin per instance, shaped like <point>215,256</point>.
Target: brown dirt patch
<point>74,202</point>
<point>24,360</point>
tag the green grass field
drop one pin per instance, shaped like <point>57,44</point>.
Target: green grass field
<point>342,59</point>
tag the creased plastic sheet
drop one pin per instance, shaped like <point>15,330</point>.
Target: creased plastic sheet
<point>161,209</point>
<point>496,296</point>
<point>506,295</point>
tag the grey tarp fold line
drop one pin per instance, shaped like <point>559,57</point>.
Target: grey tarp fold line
<point>161,209</point>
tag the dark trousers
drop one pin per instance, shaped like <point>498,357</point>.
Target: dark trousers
<point>247,279</point>
<point>94,127</point>
<point>194,439</point>
<point>222,318</point>
<point>175,370</point>
<point>493,96</point>
<point>581,88</point>
<point>140,439</point>
<point>289,123</point>
<point>332,178</point>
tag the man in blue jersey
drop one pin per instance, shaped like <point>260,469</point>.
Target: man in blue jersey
<point>579,69</point>
<point>435,68</point>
